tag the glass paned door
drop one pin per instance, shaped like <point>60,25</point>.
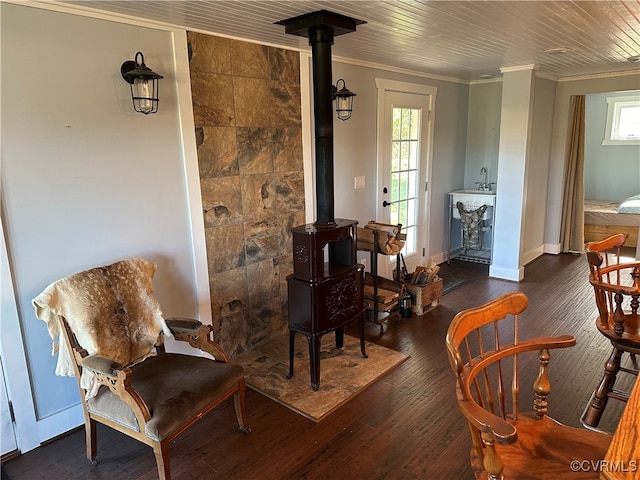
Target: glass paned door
<point>405,173</point>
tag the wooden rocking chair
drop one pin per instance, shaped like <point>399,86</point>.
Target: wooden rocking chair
<point>485,352</point>
<point>109,324</point>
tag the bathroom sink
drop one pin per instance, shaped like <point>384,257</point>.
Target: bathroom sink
<point>473,199</point>
<point>475,192</point>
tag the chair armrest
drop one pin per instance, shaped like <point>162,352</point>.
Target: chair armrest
<point>615,288</point>
<point>198,336</point>
<point>504,432</point>
<point>561,341</point>
<point>179,324</point>
<point>118,379</point>
<point>98,364</point>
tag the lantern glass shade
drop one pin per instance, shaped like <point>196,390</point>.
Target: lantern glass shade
<point>144,95</point>
<point>344,107</point>
<point>143,83</point>
<point>344,101</point>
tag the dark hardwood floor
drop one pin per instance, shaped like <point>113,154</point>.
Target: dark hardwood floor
<point>405,426</point>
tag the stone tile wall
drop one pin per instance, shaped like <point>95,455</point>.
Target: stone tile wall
<point>246,102</point>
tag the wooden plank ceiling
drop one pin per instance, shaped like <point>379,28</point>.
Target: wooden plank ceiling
<point>459,40</point>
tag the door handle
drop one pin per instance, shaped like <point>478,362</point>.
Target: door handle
<point>385,203</point>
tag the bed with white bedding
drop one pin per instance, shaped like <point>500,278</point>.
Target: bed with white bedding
<point>603,218</point>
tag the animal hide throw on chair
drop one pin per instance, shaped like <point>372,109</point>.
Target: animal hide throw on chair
<point>111,310</point>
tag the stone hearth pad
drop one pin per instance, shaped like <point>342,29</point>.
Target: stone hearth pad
<point>343,372</point>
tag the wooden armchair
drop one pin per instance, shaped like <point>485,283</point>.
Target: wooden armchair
<point>616,285</point>
<point>111,332</point>
<point>485,352</point>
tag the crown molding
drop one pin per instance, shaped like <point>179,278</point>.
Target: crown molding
<point>519,68</point>
<point>594,76</point>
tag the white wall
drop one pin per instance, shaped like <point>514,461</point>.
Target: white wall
<point>483,132</point>
<point>611,172</point>
<point>537,171</point>
<point>85,180</point>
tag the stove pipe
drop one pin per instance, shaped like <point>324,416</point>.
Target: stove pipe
<point>321,27</point>
<point>321,40</point>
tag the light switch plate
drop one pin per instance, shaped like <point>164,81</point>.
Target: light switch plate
<point>358,182</point>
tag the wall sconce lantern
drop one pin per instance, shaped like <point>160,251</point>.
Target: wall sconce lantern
<point>344,100</point>
<point>144,84</point>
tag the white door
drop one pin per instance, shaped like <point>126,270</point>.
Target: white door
<point>405,126</point>
<point>7,434</point>
<point>23,430</point>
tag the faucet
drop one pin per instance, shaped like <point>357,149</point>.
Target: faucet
<point>483,186</point>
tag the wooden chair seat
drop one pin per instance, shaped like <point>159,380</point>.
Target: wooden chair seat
<point>631,328</point>
<point>174,387</point>
<point>532,459</point>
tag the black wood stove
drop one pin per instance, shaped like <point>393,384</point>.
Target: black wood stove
<point>326,289</point>
<point>324,296</point>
